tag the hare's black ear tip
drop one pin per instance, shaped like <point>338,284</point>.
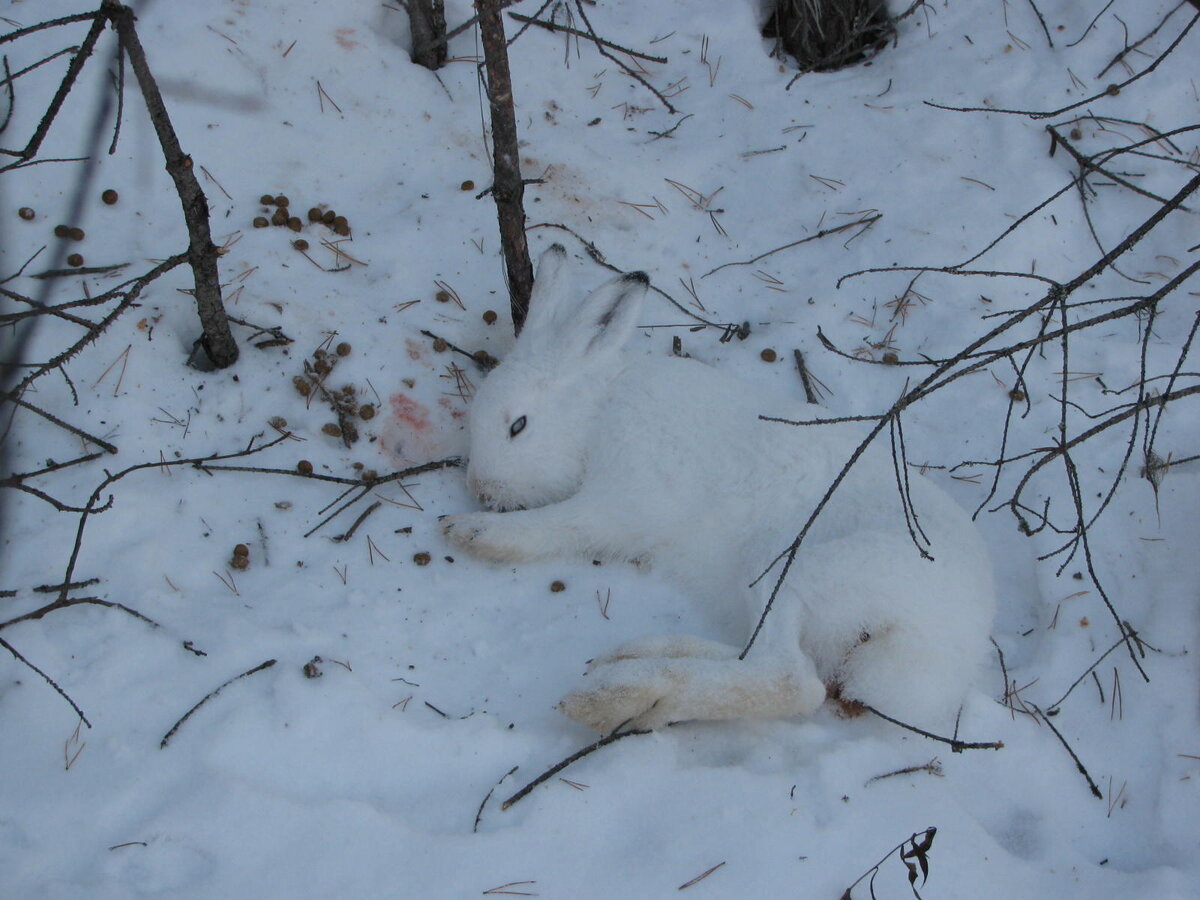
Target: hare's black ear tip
<point>637,277</point>
<point>557,248</point>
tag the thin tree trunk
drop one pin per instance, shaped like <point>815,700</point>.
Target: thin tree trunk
<point>508,190</point>
<point>217,338</point>
<point>427,22</point>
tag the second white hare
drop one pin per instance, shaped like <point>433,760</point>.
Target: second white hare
<point>583,448</point>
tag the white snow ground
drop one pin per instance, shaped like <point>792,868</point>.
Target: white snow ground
<point>439,679</point>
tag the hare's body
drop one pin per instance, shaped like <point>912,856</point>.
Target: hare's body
<point>667,462</point>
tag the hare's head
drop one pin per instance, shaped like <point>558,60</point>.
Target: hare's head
<point>532,419</point>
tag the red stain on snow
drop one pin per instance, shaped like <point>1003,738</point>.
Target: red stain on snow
<point>414,349</point>
<point>456,412</point>
<point>409,412</point>
<point>415,433</point>
<point>344,39</point>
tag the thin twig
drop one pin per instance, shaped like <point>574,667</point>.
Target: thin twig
<point>1078,763</point>
<point>1111,91</point>
<point>867,221</point>
<point>50,681</point>
<point>573,758</point>
<point>554,26</point>
<point>260,667</point>
<point>479,813</point>
<point>956,746</point>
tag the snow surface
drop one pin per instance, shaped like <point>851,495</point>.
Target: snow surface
<point>439,679</point>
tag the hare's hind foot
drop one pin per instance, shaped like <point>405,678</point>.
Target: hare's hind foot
<point>649,693</point>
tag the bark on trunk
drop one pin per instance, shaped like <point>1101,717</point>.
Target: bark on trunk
<point>508,190</point>
<point>217,338</point>
<point>427,22</point>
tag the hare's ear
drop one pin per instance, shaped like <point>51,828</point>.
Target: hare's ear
<point>550,303</point>
<point>606,318</point>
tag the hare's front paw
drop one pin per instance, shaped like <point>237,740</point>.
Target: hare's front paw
<point>483,535</point>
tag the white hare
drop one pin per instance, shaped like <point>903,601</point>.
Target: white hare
<point>586,449</point>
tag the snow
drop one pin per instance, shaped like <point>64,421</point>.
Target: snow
<point>436,680</point>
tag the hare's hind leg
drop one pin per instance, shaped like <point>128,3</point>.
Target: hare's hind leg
<point>910,674</point>
<point>666,646</point>
<point>650,692</point>
<point>901,634</point>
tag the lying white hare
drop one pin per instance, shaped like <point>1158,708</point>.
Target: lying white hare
<point>585,449</point>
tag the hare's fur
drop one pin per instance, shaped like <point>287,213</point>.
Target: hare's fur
<point>586,449</point>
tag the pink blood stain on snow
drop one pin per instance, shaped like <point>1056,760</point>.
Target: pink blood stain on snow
<point>456,412</point>
<point>413,433</point>
<point>409,412</point>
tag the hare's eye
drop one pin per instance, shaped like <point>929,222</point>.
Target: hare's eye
<point>517,427</point>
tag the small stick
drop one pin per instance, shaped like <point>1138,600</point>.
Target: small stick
<point>574,757</point>
<point>479,814</point>
<point>12,397</point>
<point>503,889</point>
<point>668,132</point>
<point>809,394</point>
<point>209,696</point>
<point>63,603</point>
<point>456,349</point>
<point>363,491</point>
<point>554,26</point>
<point>868,220</point>
<point>956,746</point>
<point>50,681</point>
<point>1078,764</point>
<point>1054,707</point>
<point>933,767</point>
<point>353,528</point>
<point>701,876</point>
<point>55,588</point>
<point>80,270</point>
